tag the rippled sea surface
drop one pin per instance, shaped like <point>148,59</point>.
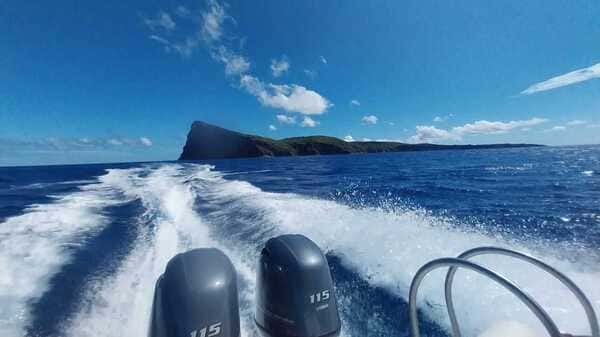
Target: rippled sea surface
<point>81,246</point>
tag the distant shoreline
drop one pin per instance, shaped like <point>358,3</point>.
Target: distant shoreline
<point>207,141</point>
<point>10,166</point>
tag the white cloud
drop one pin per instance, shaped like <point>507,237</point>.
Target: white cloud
<point>440,119</point>
<point>292,98</point>
<point>576,122</point>
<point>556,129</point>
<point>184,48</point>
<point>349,138</point>
<point>308,122</point>
<point>182,11</point>
<point>355,102</point>
<point>425,134</point>
<point>253,85</point>
<point>278,67</point>
<point>74,144</point>
<point>145,141</point>
<point>234,64</point>
<point>323,59</point>
<point>370,119</point>
<point>391,123</point>
<point>209,29</point>
<point>272,127</point>
<point>487,127</point>
<point>159,39</point>
<point>367,140</point>
<point>161,20</point>
<point>389,140</point>
<point>573,77</point>
<point>114,141</point>
<point>310,73</point>
<point>431,133</point>
<point>283,119</point>
<point>119,141</point>
<point>592,126</point>
<point>212,22</point>
<point>211,32</point>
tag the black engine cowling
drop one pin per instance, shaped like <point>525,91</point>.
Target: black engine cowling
<point>196,297</point>
<point>295,295</point>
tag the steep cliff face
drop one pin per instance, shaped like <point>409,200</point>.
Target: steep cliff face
<point>206,141</point>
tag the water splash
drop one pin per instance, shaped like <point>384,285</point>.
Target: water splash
<point>34,246</point>
<point>387,247</point>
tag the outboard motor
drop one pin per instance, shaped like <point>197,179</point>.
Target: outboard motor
<point>295,295</point>
<point>196,297</point>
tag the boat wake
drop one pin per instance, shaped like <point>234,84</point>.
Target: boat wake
<point>374,254</point>
<point>34,246</point>
<point>121,304</point>
<point>386,248</point>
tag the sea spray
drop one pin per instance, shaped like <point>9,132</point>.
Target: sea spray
<point>34,246</point>
<point>387,248</point>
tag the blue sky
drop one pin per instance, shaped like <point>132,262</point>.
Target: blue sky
<point>111,81</point>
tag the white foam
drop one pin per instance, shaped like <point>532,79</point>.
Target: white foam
<point>120,305</point>
<point>386,249</point>
<point>523,167</point>
<point>44,185</point>
<point>511,328</point>
<point>587,173</point>
<point>34,245</point>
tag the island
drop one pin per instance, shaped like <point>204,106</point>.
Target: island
<point>207,141</point>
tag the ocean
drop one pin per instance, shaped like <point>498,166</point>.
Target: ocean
<point>81,246</point>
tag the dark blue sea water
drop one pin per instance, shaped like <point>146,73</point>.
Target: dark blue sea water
<point>81,246</point>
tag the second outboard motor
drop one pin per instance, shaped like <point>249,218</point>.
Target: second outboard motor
<point>196,297</point>
<point>295,295</point>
